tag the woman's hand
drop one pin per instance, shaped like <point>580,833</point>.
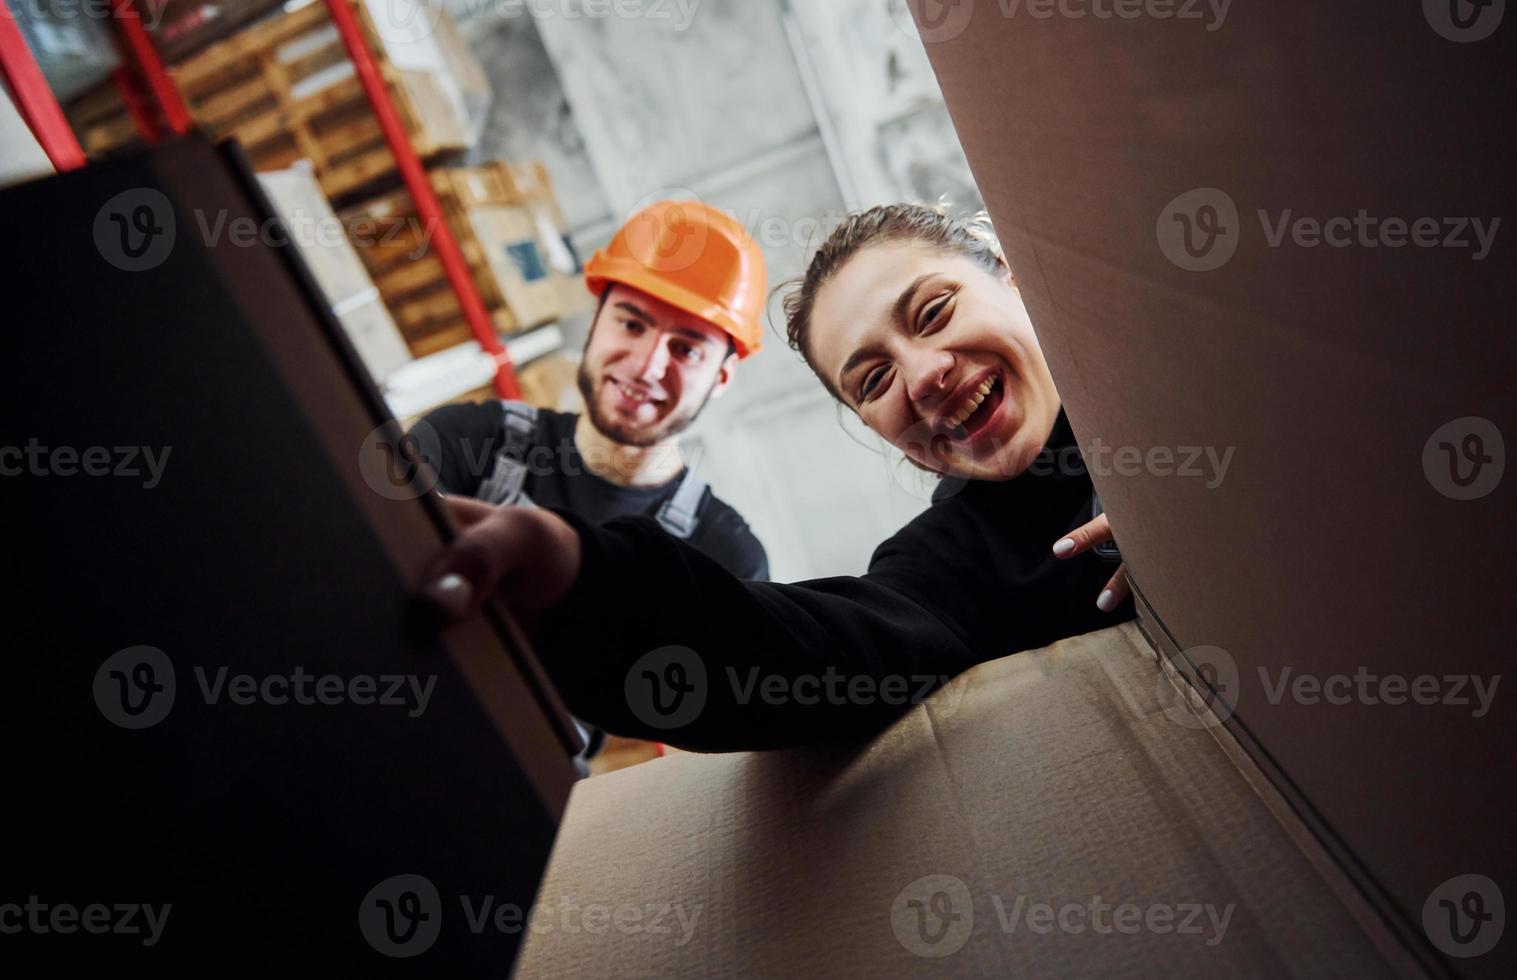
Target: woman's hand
<point>526,556</point>
<point>1086,537</point>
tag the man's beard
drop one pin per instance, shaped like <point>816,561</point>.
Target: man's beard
<point>641,437</point>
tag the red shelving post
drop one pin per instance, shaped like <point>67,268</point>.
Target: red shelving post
<point>420,188</point>
<point>136,107</point>
<point>139,49</point>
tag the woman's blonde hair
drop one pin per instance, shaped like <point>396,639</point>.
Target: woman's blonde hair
<point>971,236</point>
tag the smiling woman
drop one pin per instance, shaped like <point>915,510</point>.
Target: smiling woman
<point>924,335</point>
<point>913,321</point>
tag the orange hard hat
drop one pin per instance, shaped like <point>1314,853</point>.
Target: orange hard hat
<point>694,257</point>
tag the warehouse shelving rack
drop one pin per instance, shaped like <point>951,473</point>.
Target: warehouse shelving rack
<point>39,108</point>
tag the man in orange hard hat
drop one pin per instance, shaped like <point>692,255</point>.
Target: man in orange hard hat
<point>681,289</point>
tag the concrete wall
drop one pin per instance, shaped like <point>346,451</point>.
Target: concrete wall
<point>787,115</point>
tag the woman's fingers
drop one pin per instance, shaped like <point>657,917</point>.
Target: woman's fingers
<point>1083,538</point>
<point>1116,592</point>
<point>473,564</point>
<point>529,557</point>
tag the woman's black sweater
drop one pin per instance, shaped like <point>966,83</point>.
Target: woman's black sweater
<point>658,641</point>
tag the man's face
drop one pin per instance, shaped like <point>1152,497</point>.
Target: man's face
<point>649,368</point>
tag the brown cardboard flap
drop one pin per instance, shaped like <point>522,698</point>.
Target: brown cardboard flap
<point>1060,777</point>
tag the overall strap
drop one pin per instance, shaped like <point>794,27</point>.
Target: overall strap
<point>678,515</point>
<point>506,480</point>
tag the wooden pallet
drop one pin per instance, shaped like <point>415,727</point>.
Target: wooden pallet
<point>186,26</point>
<point>287,91</point>
<point>396,247</point>
<point>100,119</point>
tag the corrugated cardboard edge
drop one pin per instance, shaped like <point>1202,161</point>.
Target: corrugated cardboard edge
<point>1311,836</point>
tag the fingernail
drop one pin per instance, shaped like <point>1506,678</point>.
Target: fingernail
<point>1064,547</point>
<point>1106,601</point>
<point>452,594</point>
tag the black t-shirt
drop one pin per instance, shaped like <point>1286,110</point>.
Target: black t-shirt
<point>470,437</point>
<point>971,579</point>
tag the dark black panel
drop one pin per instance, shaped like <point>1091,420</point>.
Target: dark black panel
<point>264,825</point>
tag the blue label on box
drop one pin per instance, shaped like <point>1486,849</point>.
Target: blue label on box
<point>528,260</point>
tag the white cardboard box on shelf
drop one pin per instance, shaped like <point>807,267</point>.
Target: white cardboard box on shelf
<point>508,235</point>
<point>439,378</point>
<point>323,244</point>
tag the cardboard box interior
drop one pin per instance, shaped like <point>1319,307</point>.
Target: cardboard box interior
<point>1070,776</point>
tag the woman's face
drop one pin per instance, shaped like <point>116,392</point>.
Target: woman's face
<point>938,356</point>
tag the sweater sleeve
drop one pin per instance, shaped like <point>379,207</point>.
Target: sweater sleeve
<point>657,640</point>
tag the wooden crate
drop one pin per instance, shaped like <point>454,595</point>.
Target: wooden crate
<point>536,186</point>
<point>286,89</point>
<point>547,382</point>
<point>396,247</point>
<point>551,382</point>
<point>451,333</point>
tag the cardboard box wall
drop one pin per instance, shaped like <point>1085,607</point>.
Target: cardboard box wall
<point>1329,548</point>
